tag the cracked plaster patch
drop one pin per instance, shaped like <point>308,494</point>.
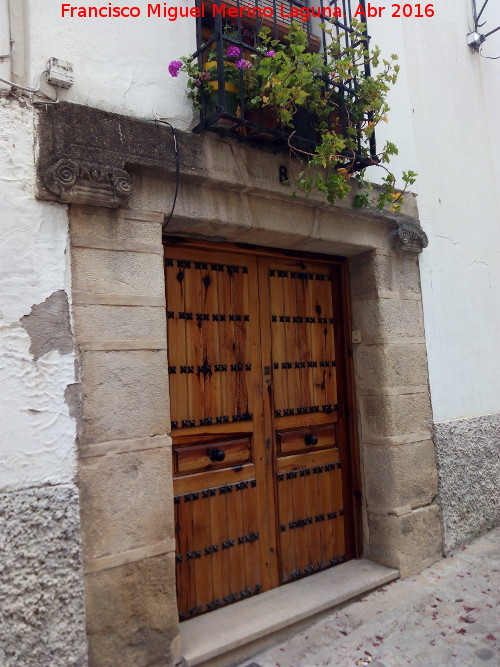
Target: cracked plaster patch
<point>48,326</point>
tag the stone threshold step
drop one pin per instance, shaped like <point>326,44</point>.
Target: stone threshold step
<point>231,634</point>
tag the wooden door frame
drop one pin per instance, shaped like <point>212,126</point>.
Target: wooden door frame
<point>345,375</point>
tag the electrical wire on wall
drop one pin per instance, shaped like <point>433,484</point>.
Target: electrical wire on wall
<point>476,39</point>
<point>166,122</point>
<point>33,91</point>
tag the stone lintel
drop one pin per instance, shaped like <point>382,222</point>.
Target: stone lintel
<point>81,167</point>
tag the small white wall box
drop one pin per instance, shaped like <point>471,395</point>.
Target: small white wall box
<point>474,40</point>
<point>356,337</point>
<point>60,73</point>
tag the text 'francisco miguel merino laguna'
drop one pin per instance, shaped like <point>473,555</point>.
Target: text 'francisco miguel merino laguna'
<point>173,12</point>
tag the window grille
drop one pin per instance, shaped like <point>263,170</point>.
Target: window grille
<point>235,123</point>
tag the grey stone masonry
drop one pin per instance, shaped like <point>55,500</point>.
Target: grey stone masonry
<point>468,455</point>
<point>42,612</point>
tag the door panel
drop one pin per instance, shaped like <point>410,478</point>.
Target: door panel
<point>304,390</point>
<point>222,526</point>
<point>253,396</point>
<point>304,439</point>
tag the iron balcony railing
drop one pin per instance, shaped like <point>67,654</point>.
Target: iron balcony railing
<point>251,15</point>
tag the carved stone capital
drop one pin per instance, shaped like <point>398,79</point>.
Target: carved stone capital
<point>79,182</point>
<point>409,237</point>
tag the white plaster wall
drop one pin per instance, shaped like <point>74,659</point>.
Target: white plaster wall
<point>120,64</point>
<point>37,435</point>
<point>444,120</point>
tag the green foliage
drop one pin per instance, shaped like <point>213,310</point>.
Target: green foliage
<point>286,80</point>
<point>334,86</point>
<point>334,158</point>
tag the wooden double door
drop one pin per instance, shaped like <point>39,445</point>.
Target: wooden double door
<point>259,442</point>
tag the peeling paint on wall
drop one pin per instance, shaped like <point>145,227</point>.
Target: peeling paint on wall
<point>48,326</point>
<point>37,432</point>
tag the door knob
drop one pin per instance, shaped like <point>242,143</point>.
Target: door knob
<point>216,455</point>
<point>311,439</point>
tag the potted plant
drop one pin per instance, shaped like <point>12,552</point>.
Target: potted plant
<point>332,94</point>
<point>203,84</point>
<point>351,104</point>
<point>284,77</point>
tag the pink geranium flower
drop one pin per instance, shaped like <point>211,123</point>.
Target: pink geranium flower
<point>174,67</point>
<point>233,52</point>
<point>243,64</point>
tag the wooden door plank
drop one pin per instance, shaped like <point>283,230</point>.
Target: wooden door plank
<point>226,331</point>
<point>237,566</point>
<point>220,559</point>
<point>184,535</point>
<point>194,345</point>
<point>287,542</point>
<point>176,333</point>
<point>303,352</point>
<point>338,524</point>
<point>215,479</point>
<point>300,534</point>
<point>289,373</point>
<point>202,542</point>
<point>313,347</point>
<point>325,527</point>
<point>240,299</point>
<point>278,341</point>
<point>251,541</point>
<point>270,546</point>
<point>327,338</point>
<point>315,511</point>
<point>210,333</point>
<point>307,460</point>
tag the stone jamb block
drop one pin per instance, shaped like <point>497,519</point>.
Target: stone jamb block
<point>96,323</point>
<point>132,614</point>
<point>408,542</point>
<point>398,318</point>
<point>127,501</point>
<point>397,365</point>
<point>400,475</point>
<point>125,394</point>
<point>395,272</point>
<point>117,272</point>
<point>398,415</point>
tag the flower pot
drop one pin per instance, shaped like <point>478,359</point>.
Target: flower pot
<point>212,96</point>
<point>264,118</point>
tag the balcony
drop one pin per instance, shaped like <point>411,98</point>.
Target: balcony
<point>225,104</point>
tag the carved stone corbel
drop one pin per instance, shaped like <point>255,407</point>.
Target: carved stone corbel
<point>75,182</point>
<point>409,237</point>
